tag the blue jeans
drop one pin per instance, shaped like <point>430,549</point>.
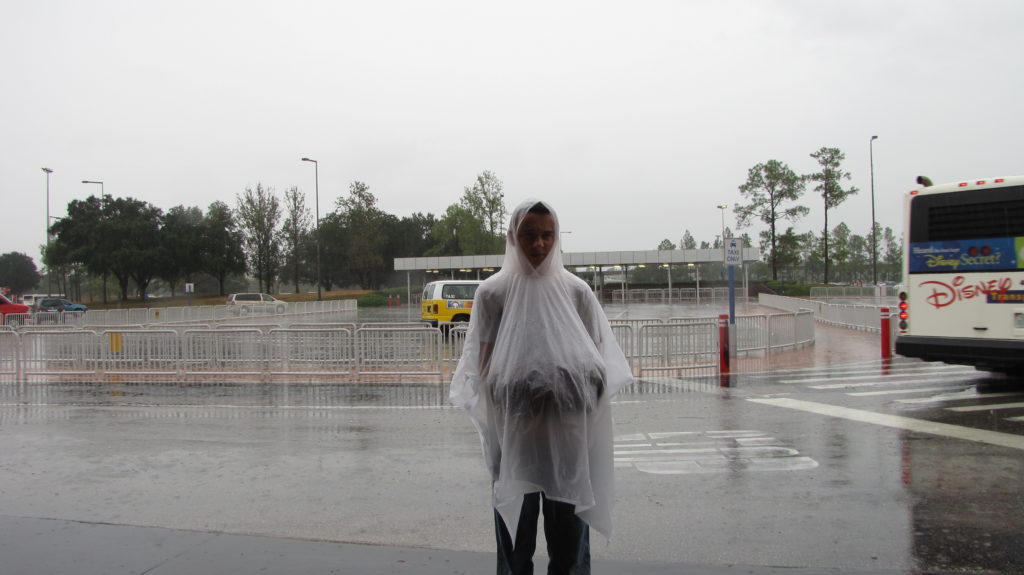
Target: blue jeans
<point>567,535</point>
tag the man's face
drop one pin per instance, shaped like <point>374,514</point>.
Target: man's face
<point>536,236</point>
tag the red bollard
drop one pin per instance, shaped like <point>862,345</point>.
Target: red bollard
<point>886,335</point>
<point>723,341</point>
<point>389,300</point>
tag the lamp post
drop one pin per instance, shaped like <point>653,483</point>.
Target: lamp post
<point>49,277</point>
<point>723,207</point>
<point>874,234</point>
<point>102,192</point>
<point>731,270</point>
<point>316,175</point>
<point>696,270</point>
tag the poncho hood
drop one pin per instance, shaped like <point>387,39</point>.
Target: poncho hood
<point>538,370</point>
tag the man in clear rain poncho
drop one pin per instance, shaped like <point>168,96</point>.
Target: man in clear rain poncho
<point>538,371</point>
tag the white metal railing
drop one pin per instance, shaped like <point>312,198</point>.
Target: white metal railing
<point>59,353</point>
<point>135,353</point>
<point>399,351</point>
<point>311,351</point>
<point>454,344</point>
<point>853,316</point>
<point>160,317</point>
<point>223,352</point>
<point>343,351</point>
<point>10,353</point>
<point>638,295</point>
<point>754,334</point>
<point>676,348</point>
<point>859,292</point>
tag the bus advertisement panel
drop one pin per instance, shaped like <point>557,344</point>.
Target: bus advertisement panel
<point>963,269</point>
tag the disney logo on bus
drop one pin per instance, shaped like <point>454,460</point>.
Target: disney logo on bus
<point>943,294</point>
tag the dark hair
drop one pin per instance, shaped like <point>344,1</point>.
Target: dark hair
<point>538,208</point>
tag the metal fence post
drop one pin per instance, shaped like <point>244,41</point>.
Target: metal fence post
<point>886,335</point>
<point>723,341</point>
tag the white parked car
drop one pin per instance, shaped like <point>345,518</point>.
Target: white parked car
<point>247,303</point>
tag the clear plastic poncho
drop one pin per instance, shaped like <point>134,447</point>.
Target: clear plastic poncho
<point>539,368</point>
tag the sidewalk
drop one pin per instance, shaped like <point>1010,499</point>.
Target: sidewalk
<point>832,346</point>
<point>51,546</point>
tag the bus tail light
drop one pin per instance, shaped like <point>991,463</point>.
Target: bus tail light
<point>904,306</point>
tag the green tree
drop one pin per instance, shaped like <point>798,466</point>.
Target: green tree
<point>18,272</point>
<point>840,250</point>
<point>460,233</point>
<point>893,258</point>
<point>77,239</point>
<point>135,228</point>
<point>411,236</point>
<point>874,239</point>
<point>486,202</point>
<point>788,256</point>
<point>769,188</point>
<point>221,254</point>
<point>295,233</point>
<point>112,236</point>
<point>859,258</point>
<point>687,242</point>
<point>364,226</point>
<point>829,180</point>
<point>666,245</point>
<point>182,241</point>
<point>259,212</point>
<point>333,251</point>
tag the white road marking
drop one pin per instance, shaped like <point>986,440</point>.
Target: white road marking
<point>899,422</point>
<point>900,392</point>
<point>990,407</point>
<point>892,373</point>
<point>949,397</point>
<point>719,451</point>
<point>864,383</point>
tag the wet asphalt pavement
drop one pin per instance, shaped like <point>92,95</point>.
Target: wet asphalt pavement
<point>822,460</point>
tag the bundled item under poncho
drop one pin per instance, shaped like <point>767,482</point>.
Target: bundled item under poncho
<point>538,370</point>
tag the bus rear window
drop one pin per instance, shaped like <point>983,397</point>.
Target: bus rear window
<point>996,213</point>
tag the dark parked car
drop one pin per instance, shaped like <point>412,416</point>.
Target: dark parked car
<point>56,304</point>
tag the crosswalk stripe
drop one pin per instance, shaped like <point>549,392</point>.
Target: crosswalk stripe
<point>942,399</point>
<point>885,376</point>
<point>874,370</point>
<point>987,407</point>
<point>899,392</point>
<point>899,422</point>
<point>863,383</point>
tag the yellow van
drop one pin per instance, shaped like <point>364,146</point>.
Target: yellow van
<point>448,301</point>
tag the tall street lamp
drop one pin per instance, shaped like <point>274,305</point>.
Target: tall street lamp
<point>102,192</point>
<point>874,233</point>
<point>723,207</point>
<point>316,175</point>
<point>49,277</point>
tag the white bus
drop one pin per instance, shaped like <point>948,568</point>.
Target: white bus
<point>963,270</point>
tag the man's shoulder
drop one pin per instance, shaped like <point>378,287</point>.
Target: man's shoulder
<point>577,283</point>
<point>492,289</point>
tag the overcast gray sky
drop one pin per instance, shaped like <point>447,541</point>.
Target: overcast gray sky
<point>634,119</point>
